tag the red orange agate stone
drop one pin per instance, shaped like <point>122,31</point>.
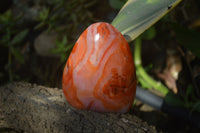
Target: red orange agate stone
<point>100,74</point>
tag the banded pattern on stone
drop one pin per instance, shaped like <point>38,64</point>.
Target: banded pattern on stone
<point>100,74</point>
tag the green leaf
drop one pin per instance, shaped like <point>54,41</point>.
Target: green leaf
<point>19,37</point>
<point>44,14</point>
<point>138,15</point>
<point>62,49</point>
<point>6,17</point>
<point>117,4</point>
<point>40,25</point>
<point>149,34</point>
<point>17,54</point>
<point>148,68</point>
<point>61,46</point>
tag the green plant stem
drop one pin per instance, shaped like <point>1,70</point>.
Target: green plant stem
<point>142,73</point>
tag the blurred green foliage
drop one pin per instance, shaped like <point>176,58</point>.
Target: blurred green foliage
<point>189,39</point>
<point>145,80</point>
<point>60,16</point>
<point>11,37</point>
<point>69,14</point>
<point>62,49</point>
<point>64,17</point>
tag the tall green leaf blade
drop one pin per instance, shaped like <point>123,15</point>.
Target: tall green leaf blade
<point>138,15</point>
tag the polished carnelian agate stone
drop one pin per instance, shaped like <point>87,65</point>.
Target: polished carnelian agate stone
<point>100,74</point>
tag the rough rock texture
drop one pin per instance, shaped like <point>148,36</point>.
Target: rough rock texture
<point>31,108</point>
